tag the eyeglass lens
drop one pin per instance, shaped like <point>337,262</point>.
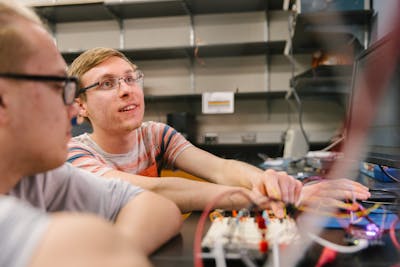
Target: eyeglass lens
<point>131,80</point>
<point>70,88</point>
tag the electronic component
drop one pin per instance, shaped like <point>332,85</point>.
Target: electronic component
<point>234,237</point>
<point>370,232</point>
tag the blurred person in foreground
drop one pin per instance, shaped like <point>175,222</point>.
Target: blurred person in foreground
<point>51,213</point>
<point>121,145</point>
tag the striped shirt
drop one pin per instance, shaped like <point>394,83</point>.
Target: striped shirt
<point>157,145</point>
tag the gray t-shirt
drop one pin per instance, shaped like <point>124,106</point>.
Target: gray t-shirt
<point>22,227</point>
<point>66,188</point>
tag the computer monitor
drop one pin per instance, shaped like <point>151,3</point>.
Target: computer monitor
<point>382,145</point>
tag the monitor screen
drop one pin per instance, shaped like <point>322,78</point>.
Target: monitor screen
<point>382,144</point>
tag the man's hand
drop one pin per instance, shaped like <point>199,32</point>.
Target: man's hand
<point>330,193</point>
<point>279,187</point>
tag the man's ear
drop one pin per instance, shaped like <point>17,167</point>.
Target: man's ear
<point>82,111</point>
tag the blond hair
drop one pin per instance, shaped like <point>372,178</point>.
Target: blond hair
<point>91,58</point>
<point>14,46</point>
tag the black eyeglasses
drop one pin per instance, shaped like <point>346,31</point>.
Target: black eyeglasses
<point>69,84</point>
<point>109,83</point>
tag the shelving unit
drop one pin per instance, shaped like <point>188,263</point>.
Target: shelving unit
<point>121,10</point>
<point>319,82</point>
<point>344,32</point>
<point>264,80</point>
<point>212,50</point>
<point>311,31</point>
<point>115,9</point>
<point>197,97</point>
<point>331,30</point>
<point>324,79</point>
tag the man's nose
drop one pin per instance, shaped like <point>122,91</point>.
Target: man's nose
<point>123,87</point>
<point>72,110</point>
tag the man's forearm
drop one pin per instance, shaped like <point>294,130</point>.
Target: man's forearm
<point>85,240</point>
<point>194,195</point>
<point>189,195</point>
<point>149,220</point>
<point>238,173</point>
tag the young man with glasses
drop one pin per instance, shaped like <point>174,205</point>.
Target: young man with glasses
<point>122,145</point>
<point>51,213</point>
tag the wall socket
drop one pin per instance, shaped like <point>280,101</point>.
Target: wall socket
<point>211,138</point>
<point>249,138</point>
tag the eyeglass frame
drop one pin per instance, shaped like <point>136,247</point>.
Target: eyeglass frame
<point>68,97</point>
<point>84,89</point>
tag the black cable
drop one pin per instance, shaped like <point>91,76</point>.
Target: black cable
<point>300,111</point>
<point>390,205</point>
<point>296,96</point>
<point>385,191</point>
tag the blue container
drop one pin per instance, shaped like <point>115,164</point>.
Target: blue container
<point>375,172</point>
<point>381,176</point>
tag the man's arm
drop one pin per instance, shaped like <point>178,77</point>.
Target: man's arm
<point>149,220</point>
<point>146,218</point>
<point>274,184</point>
<point>31,237</point>
<point>331,192</point>
<point>85,240</point>
<point>271,183</point>
<point>188,195</point>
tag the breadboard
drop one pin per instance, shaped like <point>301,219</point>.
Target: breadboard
<point>236,236</point>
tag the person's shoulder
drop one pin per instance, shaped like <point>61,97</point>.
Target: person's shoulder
<point>79,138</point>
<point>149,124</point>
<point>153,127</point>
<point>66,171</point>
<point>49,178</point>
<point>81,142</point>
<point>63,170</point>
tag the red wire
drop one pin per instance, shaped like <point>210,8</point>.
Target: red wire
<point>393,233</point>
<point>200,226</point>
<point>327,256</point>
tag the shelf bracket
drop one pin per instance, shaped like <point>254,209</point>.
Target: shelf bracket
<point>121,26</point>
<point>192,43</point>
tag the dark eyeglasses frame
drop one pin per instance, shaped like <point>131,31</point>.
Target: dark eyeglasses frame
<point>84,89</point>
<point>68,97</point>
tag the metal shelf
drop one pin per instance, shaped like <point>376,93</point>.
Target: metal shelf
<point>143,9</point>
<point>197,97</point>
<point>217,50</point>
<point>324,80</point>
<point>359,17</point>
<point>112,9</point>
<point>229,6</point>
<point>329,30</point>
<point>241,49</point>
<point>75,12</point>
<point>267,95</point>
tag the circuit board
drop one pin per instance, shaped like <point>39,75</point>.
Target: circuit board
<point>234,237</point>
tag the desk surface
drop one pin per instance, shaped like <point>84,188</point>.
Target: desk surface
<point>179,251</point>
